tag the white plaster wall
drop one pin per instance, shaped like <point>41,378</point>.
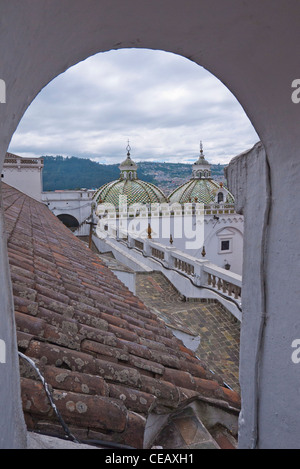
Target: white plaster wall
<point>251,46</point>
<point>269,377</point>
<point>189,236</point>
<point>232,231</point>
<point>134,259</point>
<point>75,203</point>
<point>28,181</point>
<point>128,278</point>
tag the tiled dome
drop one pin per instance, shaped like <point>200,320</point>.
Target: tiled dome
<point>200,190</point>
<point>137,191</point>
<point>129,185</point>
<point>201,187</point>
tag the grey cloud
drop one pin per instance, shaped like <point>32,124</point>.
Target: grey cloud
<point>162,102</point>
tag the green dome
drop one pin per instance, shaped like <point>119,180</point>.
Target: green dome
<point>202,191</point>
<point>129,185</point>
<point>137,191</point>
<point>201,187</point>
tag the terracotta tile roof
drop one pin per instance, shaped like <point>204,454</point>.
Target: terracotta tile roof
<point>108,360</point>
<point>207,320</point>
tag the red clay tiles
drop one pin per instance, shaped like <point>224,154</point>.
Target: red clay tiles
<point>108,360</point>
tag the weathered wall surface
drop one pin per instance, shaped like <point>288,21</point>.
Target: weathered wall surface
<point>247,176</point>
<point>29,182</point>
<point>12,426</point>
<point>269,377</point>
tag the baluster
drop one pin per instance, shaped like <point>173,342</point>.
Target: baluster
<point>214,281</point>
<point>237,292</point>
<point>209,279</point>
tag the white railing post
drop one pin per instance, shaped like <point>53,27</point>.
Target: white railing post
<point>223,281</point>
<point>146,246</point>
<point>169,259</point>
<point>199,274</point>
<point>130,241</point>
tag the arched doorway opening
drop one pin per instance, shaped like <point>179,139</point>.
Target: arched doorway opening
<point>72,223</point>
<point>69,221</point>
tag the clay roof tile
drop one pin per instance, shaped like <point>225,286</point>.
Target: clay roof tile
<point>108,359</point>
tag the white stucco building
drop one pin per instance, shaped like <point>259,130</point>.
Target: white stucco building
<point>25,174</point>
<point>72,207</point>
<point>197,218</point>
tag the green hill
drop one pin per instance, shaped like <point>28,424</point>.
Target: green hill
<point>76,173</point>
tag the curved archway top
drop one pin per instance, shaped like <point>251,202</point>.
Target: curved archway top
<point>230,39</point>
<point>69,220</point>
<point>232,229</point>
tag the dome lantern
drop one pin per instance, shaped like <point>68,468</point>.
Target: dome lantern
<point>201,168</point>
<point>128,167</point>
<point>129,186</point>
<point>201,187</point>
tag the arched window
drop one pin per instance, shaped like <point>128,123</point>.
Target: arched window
<point>220,197</point>
<point>68,220</point>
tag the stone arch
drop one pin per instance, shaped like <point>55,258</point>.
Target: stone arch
<point>84,33</point>
<point>220,197</point>
<point>68,220</point>
<point>236,41</point>
<point>232,228</point>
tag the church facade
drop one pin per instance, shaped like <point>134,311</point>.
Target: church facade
<point>198,218</point>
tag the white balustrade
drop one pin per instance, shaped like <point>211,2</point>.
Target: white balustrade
<point>14,160</point>
<point>201,272</point>
<point>223,281</point>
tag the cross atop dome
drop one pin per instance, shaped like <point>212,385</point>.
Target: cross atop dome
<point>130,187</point>
<point>201,168</point>
<point>128,167</point>
<point>128,148</point>
<point>201,148</point>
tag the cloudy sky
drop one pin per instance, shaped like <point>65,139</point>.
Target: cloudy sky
<point>162,103</point>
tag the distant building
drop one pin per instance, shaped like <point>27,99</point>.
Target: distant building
<point>72,207</point>
<point>25,174</point>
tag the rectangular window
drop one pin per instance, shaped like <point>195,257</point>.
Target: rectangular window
<point>225,245</point>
